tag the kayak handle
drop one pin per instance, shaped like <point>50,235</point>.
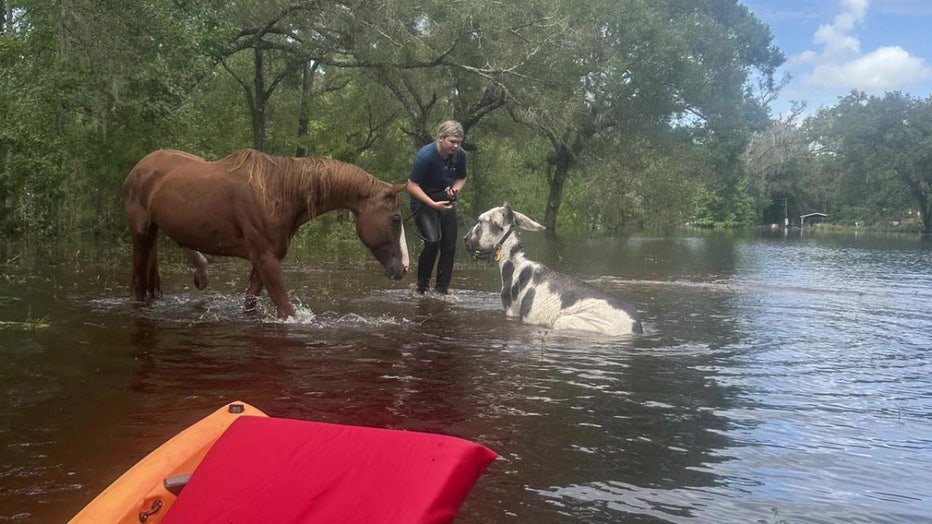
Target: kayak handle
<point>156,506</point>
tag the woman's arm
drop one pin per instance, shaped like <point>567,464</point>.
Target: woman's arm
<point>454,190</point>
<point>415,189</point>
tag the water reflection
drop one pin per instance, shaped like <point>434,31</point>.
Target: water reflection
<point>786,375</point>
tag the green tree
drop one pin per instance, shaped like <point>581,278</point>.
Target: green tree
<point>646,69</point>
<point>624,111</point>
<point>777,161</point>
<point>88,87</point>
<point>885,146</point>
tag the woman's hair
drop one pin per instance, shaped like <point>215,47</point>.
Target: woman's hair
<point>450,128</point>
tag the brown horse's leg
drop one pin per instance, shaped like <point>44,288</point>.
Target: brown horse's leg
<point>252,292</point>
<point>140,263</point>
<point>269,269</point>
<point>155,282</point>
<point>200,267</point>
<point>145,274</point>
<point>145,235</point>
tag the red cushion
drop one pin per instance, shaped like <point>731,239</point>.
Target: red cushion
<point>275,470</point>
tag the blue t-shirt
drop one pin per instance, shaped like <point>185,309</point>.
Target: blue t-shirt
<point>433,173</point>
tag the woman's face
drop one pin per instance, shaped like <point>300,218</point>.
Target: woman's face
<point>446,145</point>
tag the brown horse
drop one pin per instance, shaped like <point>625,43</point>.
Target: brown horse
<point>250,205</point>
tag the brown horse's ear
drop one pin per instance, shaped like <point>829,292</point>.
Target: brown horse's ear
<point>391,193</point>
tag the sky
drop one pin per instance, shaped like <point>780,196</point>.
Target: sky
<point>835,46</point>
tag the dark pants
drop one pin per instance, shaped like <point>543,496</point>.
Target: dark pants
<point>445,247</point>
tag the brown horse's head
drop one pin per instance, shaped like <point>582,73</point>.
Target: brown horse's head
<point>379,226</point>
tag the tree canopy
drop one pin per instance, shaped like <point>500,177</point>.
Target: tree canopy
<point>865,161</point>
<point>602,114</point>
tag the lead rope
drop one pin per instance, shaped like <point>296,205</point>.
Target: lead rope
<point>449,163</point>
<point>423,205</point>
<point>501,241</point>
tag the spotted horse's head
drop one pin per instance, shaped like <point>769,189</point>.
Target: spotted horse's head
<point>493,229</point>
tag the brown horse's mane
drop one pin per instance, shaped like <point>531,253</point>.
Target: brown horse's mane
<point>323,183</point>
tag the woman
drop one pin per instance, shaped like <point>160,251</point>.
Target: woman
<point>437,176</point>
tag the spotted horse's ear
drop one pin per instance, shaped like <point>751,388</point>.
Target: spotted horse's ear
<point>521,220</point>
<point>527,224</point>
<point>508,216</point>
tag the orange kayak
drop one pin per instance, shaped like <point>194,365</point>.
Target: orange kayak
<point>239,465</point>
<point>140,494</point>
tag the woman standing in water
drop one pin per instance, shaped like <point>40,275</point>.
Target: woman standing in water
<point>437,176</point>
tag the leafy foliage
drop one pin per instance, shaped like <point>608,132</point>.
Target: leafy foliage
<point>609,114</point>
<point>865,161</point>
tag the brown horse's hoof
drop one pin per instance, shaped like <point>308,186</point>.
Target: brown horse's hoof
<point>200,280</point>
<point>251,304</point>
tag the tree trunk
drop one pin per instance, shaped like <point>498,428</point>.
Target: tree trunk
<point>60,118</point>
<point>558,168</point>
<point>258,105</point>
<point>304,112</point>
<point>925,211</point>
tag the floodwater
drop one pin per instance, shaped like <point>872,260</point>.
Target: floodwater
<point>781,377</point>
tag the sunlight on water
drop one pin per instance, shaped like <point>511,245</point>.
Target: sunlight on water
<point>834,382</point>
<point>211,308</point>
<point>778,380</point>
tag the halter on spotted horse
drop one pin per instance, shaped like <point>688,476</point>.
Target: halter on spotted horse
<point>494,254</point>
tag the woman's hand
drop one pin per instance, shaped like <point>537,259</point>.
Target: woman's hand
<point>441,205</point>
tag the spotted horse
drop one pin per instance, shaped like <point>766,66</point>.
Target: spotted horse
<point>537,294</point>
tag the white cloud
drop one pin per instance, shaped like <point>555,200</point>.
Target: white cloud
<point>840,63</point>
<point>806,57</point>
<point>836,37</point>
<point>884,69</point>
